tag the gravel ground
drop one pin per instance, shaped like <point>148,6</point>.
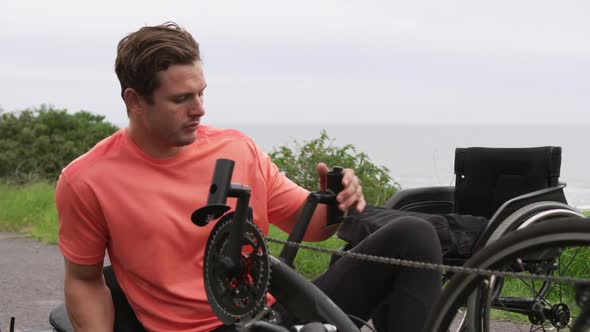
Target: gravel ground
<point>31,282</point>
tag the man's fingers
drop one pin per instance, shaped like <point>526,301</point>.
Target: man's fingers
<point>322,173</point>
<point>360,206</point>
<point>352,191</point>
<point>350,196</point>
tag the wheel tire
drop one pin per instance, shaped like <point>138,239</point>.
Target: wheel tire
<point>529,214</point>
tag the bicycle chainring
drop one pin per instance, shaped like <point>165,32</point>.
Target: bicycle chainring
<point>236,296</point>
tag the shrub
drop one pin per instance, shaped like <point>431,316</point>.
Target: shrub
<point>300,165</point>
<point>38,143</point>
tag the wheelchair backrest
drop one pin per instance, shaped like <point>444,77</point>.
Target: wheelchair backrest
<point>488,177</point>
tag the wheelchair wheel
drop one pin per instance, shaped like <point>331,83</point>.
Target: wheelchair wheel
<point>526,216</point>
<point>558,247</point>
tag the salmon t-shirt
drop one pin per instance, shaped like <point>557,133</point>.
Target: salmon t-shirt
<point>117,198</point>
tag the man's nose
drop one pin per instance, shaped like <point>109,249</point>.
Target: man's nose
<point>197,107</point>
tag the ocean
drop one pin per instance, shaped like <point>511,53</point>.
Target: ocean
<point>423,155</point>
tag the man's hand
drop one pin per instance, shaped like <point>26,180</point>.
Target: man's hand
<point>351,195</point>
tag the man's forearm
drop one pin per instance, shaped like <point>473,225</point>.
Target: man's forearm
<point>89,305</point>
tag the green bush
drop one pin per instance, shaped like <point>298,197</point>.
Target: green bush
<point>37,143</point>
<point>300,165</point>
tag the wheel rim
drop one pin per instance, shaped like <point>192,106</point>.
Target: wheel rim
<point>550,214</point>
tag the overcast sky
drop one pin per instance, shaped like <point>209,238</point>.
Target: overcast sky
<point>279,61</point>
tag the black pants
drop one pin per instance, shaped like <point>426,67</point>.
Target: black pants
<point>395,298</point>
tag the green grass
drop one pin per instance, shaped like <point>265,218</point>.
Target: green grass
<point>309,263</point>
<point>29,209</point>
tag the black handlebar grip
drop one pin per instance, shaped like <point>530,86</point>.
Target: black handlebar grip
<point>221,183</point>
<point>334,178</point>
<point>334,184</point>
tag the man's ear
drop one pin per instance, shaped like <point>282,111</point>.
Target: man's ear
<point>132,101</point>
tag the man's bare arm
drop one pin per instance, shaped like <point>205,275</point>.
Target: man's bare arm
<point>88,299</point>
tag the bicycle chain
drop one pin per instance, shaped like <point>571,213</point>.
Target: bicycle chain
<point>431,266</point>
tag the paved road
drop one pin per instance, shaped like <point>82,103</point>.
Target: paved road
<point>31,284</point>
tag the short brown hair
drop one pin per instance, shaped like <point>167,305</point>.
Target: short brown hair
<point>142,54</point>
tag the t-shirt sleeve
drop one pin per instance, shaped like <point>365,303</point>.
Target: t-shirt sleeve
<point>83,233</point>
<point>284,196</point>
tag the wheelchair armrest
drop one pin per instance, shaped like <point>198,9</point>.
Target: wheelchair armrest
<point>552,194</point>
<point>435,200</point>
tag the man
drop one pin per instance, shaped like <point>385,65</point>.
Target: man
<point>133,194</point>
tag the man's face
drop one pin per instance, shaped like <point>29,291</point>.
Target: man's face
<point>173,117</point>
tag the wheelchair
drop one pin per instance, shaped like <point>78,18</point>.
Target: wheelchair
<point>512,188</point>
